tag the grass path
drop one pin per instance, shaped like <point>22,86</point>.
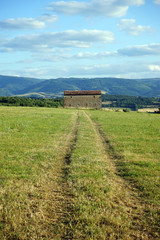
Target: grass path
<point>133,143</point>
<point>34,143</point>
<point>58,180</point>
<point>105,207</point>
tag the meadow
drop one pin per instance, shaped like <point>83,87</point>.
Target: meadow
<point>79,174</point>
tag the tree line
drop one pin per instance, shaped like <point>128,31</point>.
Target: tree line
<point>108,101</point>
<point>31,102</point>
<point>131,102</point>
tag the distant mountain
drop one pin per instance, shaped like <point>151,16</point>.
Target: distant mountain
<point>11,86</point>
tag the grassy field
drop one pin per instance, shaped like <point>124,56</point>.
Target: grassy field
<point>75,174</point>
<point>136,138</point>
<point>32,150</point>
<point>134,142</point>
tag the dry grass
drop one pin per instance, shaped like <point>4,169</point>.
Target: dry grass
<point>133,142</point>
<point>59,182</point>
<point>34,143</point>
<point>147,109</point>
<point>105,207</point>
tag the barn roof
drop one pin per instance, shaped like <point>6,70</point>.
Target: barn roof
<point>89,92</point>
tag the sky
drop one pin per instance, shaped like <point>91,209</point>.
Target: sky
<point>82,38</point>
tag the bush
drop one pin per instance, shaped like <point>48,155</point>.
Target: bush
<point>126,110</point>
<point>32,102</point>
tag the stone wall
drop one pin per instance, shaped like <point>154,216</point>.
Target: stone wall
<point>83,101</point>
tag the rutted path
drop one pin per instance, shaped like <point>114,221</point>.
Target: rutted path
<point>142,223</point>
<point>87,199</point>
<point>34,194</point>
<point>57,200</point>
<point>100,203</point>
<point>75,191</point>
<point>124,195</point>
<point>68,204</point>
<point>63,197</point>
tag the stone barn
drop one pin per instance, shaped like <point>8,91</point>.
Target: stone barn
<point>83,99</point>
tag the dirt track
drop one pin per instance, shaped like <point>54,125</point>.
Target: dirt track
<point>62,201</point>
<point>124,195</point>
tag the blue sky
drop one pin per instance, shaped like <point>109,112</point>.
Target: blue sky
<point>81,38</point>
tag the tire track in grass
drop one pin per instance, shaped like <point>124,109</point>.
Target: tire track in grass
<point>63,227</point>
<point>57,196</point>
<point>32,202</point>
<point>122,198</point>
<point>69,198</point>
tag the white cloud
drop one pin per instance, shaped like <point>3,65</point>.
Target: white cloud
<point>112,8</point>
<point>48,18</point>
<point>133,69</point>
<point>130,27</point>
<point>157,2</point>
<point>59,56</point>
<point>154,67</point>
<point>27,23</point>
<point>134,51</point>
<point>141,50</point>
<point>21,23</point>
<point>94,55</point>
<point>130,68</point>
<point>48,41</point>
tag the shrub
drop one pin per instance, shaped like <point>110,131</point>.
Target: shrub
<point>126,110</point>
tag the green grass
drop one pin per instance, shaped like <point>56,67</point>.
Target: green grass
<point>33,145</point>
<point>103,191</point>
<point>27,138</point>
<point>104,207</point>
<point>88,177</point>
<point>136,137</point>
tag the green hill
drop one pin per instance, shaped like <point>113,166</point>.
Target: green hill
<point>10,86</point>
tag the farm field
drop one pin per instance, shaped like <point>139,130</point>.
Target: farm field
<point>79,174</point>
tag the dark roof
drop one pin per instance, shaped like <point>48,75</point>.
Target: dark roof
<point>89,92</point>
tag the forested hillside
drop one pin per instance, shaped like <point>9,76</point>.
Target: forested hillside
<point>18,86</point>
<point>11,85</point>
<point>131,102</point>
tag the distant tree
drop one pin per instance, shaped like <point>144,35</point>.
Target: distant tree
<point>131,102</point>
<point>126,110</point>
<point>31,102</point>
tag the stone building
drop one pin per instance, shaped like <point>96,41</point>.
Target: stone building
<point>83,99</point>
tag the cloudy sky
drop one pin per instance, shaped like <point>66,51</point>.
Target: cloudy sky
<point>81,38</point>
